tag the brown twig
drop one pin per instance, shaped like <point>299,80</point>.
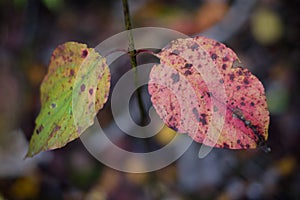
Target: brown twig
<point>132,54</point>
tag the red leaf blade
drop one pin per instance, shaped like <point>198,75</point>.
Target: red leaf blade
<point>227,103</point>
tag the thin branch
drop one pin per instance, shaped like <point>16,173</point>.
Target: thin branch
<point>132,53</point>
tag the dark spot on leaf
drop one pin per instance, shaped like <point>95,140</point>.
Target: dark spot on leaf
<point>91,91</point>
<point>84,53</point>
<point>82,88</point>
<point>214,56</point>
<point>56,128</point>
<point>238,87</point>
<point>247,146</point>
<point>231,77</point>
<point>71,72</point>
<point>187,72</point>
<point>240,72</point>
<point>175,52</point>
<point>225,59</point>
<point>224,66</point>
<point>172,107</point>
<point>203,119</point>
<point>40,129</point>
<point>221,81</point>
<point>238,141</point>
<point>246,81</point>
<point>188,65</point>
<point>175,77</point>
<point>225,145</point>
<point>53,105</point>
<point>242,98</point>
<point>208,94</point>
<point>195,46</point>
<point>243,103</point>
<point>251,104</point>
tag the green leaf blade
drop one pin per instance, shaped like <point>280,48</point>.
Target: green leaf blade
<point>67,107</point>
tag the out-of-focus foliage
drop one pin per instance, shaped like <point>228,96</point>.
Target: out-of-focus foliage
<point>30,30</point>
<point>267,26</point>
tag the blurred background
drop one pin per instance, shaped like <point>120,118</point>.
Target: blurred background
<point>263,33</point>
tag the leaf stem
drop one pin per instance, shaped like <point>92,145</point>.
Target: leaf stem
<point>132,54</point>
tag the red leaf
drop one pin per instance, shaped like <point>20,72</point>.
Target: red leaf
<point>197,90</point>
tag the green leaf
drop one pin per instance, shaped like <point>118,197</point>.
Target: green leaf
<point>73,91</point>
<point>181,96</point>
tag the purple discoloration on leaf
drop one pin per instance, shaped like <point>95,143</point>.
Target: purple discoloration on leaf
<point>91,91</point>
<point>82,88</point>
<point>247,116</point>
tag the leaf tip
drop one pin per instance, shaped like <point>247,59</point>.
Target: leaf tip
<point>266,148</point>
<point>29,154</point>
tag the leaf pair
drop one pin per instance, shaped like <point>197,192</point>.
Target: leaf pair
<point>195,89</point>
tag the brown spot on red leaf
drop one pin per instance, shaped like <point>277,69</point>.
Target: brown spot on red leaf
<point>175,77</point>
<point>231,77</point>
<point>187,72</point>
<point>203,119</point>
<point>225,59</point>
<point>246,81</point>
<point>195,46</point>
<point>188,65</point>
<point>214,56</point>
<point>175,52</point>
<point>225,145</point>
<point>224,66</point>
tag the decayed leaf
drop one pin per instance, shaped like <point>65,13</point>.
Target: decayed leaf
<point>194,62</point>
<point>73,91</point>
